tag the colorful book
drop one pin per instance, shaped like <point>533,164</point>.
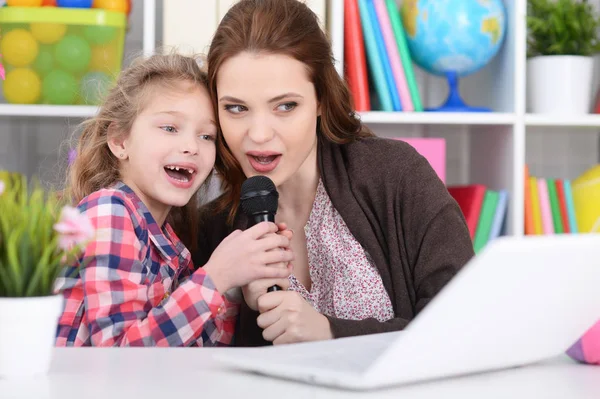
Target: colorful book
<point>529,224</point>
<point>398,28</point>
<point>554,206</point>
<point>470,200</point>
<point>394,55</point>
<point>433,149</point>
<point>486,220</point>
<point>500,215</point>
<point>562,205</point>
<point>385,59</point>
<point>354,57</point>
<point>536,211</point>
<point>547,223</point>
<point>570,206</point>
<point>373,60</point>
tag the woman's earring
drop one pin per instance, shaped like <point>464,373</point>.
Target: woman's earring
<point>122,155</point>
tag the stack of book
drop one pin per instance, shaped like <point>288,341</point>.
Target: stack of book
<point>374,35</point>
<point>549,206</point>
<point>484,210</point>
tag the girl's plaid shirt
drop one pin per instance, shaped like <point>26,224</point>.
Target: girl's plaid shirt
<point>136,285</point>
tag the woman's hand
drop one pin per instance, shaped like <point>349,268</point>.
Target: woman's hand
<point>287,318</point>
<point>253,290</point>
<point>245,256</point>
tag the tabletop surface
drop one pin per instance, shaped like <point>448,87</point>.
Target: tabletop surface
<point>175,373</point>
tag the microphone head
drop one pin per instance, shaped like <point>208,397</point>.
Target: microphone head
<point>259,195</point>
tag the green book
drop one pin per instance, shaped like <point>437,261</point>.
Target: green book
<point>400,35</point>
<point>486,219</point>
<point>555,206</point>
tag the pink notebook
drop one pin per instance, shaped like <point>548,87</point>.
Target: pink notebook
<point>433,149</point>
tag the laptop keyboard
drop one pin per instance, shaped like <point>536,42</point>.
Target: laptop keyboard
<point>354,355</point>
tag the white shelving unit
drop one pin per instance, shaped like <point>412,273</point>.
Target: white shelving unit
<point>487,148</point>
<point>495,142</point>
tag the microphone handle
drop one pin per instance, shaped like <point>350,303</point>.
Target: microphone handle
<point>266,217</point>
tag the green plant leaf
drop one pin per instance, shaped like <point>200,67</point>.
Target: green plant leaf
<point>562,27</point>
<point>30,259</point>
<point>14,264</point>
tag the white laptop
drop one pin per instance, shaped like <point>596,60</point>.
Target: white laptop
<point>520,301</point>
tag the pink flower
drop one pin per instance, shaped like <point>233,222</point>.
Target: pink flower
<point>2,72</point>
<point>74,228</point>
<point>2,187</point>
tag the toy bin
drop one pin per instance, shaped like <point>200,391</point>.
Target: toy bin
<point>60,56</point>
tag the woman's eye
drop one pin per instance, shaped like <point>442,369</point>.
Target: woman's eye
<point>287,106</point>
<point>235,109</point>
<point>169,128</point>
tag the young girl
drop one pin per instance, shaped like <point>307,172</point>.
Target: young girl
<point>139,165</point>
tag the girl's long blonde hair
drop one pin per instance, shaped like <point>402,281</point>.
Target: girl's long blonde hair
<point>95,167</point>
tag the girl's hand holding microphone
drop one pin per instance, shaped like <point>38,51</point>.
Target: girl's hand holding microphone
<point>253,254</point>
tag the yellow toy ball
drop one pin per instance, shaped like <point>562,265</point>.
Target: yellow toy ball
<point>104,58</point>
<point>112,5</point>
<point>22,86</point>
<point>19,47</point>
<point>48,33</point>
<point>586,200</point>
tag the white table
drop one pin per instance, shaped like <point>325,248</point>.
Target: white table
<point>111,373</point>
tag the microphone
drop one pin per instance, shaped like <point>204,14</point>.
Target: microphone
<point>259,199</point>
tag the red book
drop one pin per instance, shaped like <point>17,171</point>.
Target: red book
<point>354,57</point>
<point>470,200</point>
<point>562,203</point>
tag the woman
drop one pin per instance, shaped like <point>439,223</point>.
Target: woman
<point>376,234</point>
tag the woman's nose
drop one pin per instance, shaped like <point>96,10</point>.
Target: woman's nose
<point>260,130</point>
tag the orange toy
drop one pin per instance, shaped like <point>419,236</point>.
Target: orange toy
<point>112,5</point>
<point>49,3</point>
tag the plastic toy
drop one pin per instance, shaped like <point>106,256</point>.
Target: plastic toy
<point>113,5</point>
<point>49,3</point>
<point>93,87</point>
<point>48,33</point>
<point>99,34</point>
<point>19,47</point>
<point>59,87</point>
<point>74,3</point>
<point>104,58</point>
<point>22,86</point>
<point>73,53</point>
<point>44,62</point>
<point>24,3</point>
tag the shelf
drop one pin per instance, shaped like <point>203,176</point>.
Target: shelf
<point>75,111</point>
<point>585,121</point>
<point>438,118</point>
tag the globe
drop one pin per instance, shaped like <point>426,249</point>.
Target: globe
<point>454,38</point>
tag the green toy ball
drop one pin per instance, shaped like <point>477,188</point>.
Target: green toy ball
<point>73,53</point>
<point>44,62</point>
<point>99,35</point>
<point>93,87</point>
<point>60,88</point>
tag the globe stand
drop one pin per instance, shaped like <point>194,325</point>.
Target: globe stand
<point>454,102</point>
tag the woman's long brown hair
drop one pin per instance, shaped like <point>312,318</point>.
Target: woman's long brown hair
<point>286,27</point>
